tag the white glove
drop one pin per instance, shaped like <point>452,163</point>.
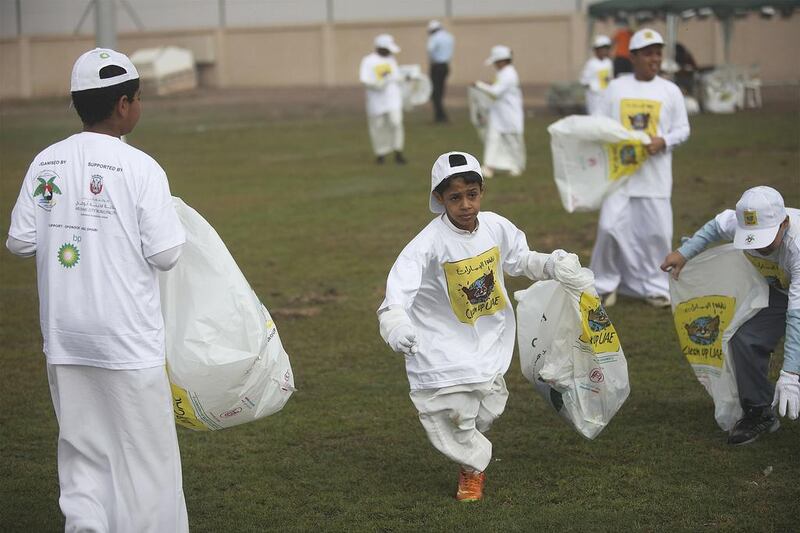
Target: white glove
<point>787,395</point>
<point>550,264</point>
<point>403,339</point>
<point>567,269</point>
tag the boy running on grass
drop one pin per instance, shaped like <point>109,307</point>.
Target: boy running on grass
<point>98,216</point>
<point>447,310</point>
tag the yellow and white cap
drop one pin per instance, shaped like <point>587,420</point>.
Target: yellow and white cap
<point>759,214</point>
<point>644,38</point>
<point>600,41</point>
<point>87,73</point>
<point>445,166</point>
<point>498,53</point>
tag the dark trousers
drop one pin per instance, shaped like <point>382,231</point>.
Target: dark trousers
<point>751,347</point>
<point>439,73</point>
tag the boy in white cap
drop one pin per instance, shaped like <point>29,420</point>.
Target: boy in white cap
<point>440,53</point>
<point>98,216</point>
<point>447,311</point>
<point>634,231</point>
<point>381,76</point>
<point>504,143</point>
<point>769,234</point>
<point>597,73</point>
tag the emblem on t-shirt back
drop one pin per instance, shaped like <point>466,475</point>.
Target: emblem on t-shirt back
<point>473,287</point>
<point>46,191</point>
<point>96,184</point>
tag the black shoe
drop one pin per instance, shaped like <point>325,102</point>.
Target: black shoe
<point>752,426</point>
<point>379,160</point>
<point>399,158</point>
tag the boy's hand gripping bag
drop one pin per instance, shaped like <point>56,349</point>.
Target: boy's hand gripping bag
<point>593,156</point>
<point>717,291</point>
<point>570,351</point>
<point>225,360</point>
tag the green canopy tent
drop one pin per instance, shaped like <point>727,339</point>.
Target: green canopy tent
<point>672,10</point>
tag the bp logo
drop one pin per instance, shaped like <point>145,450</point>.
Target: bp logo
<point>46,190</point>
<point>68,255</point>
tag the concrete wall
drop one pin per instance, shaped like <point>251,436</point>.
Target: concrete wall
<point>547,48</point>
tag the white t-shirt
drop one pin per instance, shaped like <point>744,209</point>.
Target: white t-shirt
<point>96,208</point>
<point>506,114</point>
<point>450,283</point>
<point>381,76</point>
<point>781,268</point>
<point>657,108</point>
<point>597,74</point>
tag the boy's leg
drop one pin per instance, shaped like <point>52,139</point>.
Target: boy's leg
<point>118,459</point>
<point>492,404</point>
<point>395,119</point>
<point>608,256</point>
<point>379,135</point>
<point>650,242</point>
<point>449,416</point>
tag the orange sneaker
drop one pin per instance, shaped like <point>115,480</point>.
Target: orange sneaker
<point>470,486</point>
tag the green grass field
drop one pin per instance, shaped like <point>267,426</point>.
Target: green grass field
<point>315,225</point>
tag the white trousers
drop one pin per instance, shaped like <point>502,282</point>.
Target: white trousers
<point>386,132</point>
<point>593,101</point>
<point>504,151</point>
<point>119,468</point>
<point>634,235</point>
<point>456,417</point>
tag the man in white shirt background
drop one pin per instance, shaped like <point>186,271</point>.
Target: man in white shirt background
<point>440,53</point>
<point>597,73</point>
<point>634,231</point>
<point>381,76</point>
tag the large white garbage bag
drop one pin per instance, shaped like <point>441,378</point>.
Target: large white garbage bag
<point>225,360</point>
<point>570,351</point>
<point>479,105</point>
<point>717,291</point>
<point>592,156</point>
<point>416,87</point>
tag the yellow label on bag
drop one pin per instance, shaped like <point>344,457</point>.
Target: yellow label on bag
<point>624,158</point>
<point>597,328</point>
<point>184,412</point>
<point>773,273</point>
<point>700,323</point>
<point>474,286</point>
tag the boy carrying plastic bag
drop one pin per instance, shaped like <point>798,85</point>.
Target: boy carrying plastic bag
<point>225,360</point>
<point>570,351</point>
<point>593,156</point>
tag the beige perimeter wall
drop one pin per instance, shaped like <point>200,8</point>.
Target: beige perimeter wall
<point>547,48</point>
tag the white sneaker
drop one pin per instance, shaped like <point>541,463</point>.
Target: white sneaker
<point>658,301</point>
<point>608,299</point>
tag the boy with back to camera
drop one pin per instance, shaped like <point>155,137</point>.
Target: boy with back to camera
<point>98,215</point>
<point>447,311</point>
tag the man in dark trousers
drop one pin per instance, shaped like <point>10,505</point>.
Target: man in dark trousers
<point>440,52</point>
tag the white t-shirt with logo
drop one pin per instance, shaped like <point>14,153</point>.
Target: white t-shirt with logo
<point>381,76</point>
<point>96,208</point>
<point>450,283</point>
<point>657,108</point>
<point>596,75</point>
<point>781,268</point>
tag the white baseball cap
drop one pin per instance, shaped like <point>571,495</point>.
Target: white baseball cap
<point>445,166</point>
<point>498,53</point>
<point>644,38</point>
<point>601,41</point>
<point>434,25</point>
<point>86,71</point>
<point>384,40</point>
<point>759,214</point>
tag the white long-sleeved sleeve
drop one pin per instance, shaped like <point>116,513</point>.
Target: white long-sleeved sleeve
<point>679,130</point>
<point>167,259</point>
<point>20,248</point>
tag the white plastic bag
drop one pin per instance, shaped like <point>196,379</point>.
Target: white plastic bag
<point>225,360</point>
<point>592,156</point>
<point>570,351</point>
<point>717,291</point>
<point>416,87</point>
<point>479,105</point>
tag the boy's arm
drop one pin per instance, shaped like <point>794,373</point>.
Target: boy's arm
<point>167,259</point>
<point>720,228</point>
<point>402,285</point>
<point>20,248</point>
<point>366,75</point>
<point>522,261</point>
<point>679,130</point>
<point>160,229</point>
<point>22,230</point>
